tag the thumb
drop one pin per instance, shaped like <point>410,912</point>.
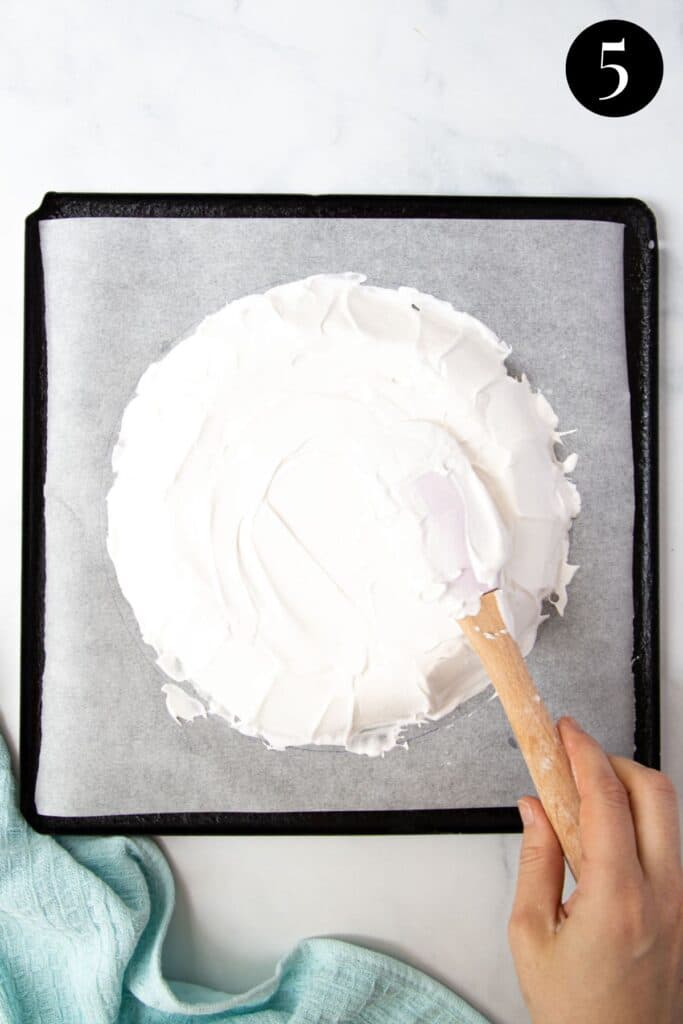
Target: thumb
<point>536,910</point>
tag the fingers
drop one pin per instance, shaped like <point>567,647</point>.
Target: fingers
<point>536,909</point>
<point>608,839</point>
<point>654,807</point>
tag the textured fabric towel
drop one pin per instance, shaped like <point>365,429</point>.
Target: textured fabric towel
<point>82,923</point>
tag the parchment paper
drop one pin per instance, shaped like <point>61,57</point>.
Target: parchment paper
<point>119,293</point>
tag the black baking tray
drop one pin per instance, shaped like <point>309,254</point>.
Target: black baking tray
<point>640,311</point>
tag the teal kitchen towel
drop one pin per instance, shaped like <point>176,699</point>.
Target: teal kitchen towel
<point>82,924</point>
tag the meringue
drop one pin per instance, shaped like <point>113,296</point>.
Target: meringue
<point>312,488</point>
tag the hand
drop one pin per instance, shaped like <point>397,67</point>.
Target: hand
<point>613,953</point>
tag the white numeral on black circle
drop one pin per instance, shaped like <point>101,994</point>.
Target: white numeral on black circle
<point>620,70</point>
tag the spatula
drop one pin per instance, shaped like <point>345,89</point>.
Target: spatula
<point>446,530</point>
<point>535,732</point>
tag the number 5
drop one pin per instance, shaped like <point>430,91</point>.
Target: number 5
<point>621,71</point>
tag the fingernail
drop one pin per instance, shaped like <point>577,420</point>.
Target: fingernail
<point>574,724</point>
<point>526,812</point>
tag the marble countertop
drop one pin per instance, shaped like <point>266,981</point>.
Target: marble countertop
<point>428,96</point>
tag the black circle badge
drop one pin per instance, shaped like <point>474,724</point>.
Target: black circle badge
<point>614,68</point>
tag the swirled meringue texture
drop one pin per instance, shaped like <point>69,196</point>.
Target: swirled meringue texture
<point>309,492</point>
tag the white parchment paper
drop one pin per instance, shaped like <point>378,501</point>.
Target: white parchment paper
<point>119,293</point>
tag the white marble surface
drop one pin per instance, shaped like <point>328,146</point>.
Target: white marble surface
<point>365,95</point>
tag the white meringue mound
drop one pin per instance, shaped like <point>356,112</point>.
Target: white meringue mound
<point>280,518</point>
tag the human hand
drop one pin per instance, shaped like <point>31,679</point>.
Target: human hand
<point>613,953</point>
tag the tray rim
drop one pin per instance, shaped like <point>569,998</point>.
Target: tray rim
<point>641,329</point>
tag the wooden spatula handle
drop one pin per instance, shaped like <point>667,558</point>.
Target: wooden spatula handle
<point>531,723</point>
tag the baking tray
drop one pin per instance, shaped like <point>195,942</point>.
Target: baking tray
<point>640,312</point>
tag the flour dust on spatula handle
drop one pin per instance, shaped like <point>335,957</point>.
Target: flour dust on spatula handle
<point>534,729</point>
